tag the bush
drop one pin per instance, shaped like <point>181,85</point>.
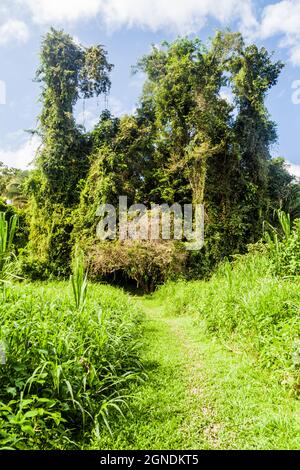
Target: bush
<point>33,268</point>
<point>65,370</point>
<point>149,264</point>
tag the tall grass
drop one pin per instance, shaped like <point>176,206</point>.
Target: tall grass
<point>283,245</point>
<point>245,304</point>
<point>66,376</point>
<point>7,233</point>
<point>79,280</point>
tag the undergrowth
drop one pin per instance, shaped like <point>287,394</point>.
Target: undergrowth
<point>65,372</point>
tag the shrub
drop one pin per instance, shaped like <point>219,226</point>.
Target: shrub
<point>33,268</point>
<point>149,264</point>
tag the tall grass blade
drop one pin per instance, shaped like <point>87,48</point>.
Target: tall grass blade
<point>79,280</point>
<point>7,233</point>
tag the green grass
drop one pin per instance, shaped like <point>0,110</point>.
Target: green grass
<point>67,371</point>
<point>246,304</point>
<point>218,367</point>
<point>201,395</point>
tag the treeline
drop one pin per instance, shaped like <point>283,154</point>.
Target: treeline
<point>185,143</point>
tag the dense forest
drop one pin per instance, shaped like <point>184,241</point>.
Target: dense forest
<point>185,143</point>
<point>72,343</point>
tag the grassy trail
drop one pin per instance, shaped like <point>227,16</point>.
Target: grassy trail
<point>201,395</point>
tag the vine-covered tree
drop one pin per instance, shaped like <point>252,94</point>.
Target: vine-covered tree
<point>206,152</point>
<point>67,72</point>
<point>254,73</point>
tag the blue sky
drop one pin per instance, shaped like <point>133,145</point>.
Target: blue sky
<point>127,28</point>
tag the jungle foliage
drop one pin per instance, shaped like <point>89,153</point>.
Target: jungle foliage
<point>185,143</point>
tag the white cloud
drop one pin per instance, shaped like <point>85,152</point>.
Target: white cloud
<point>59,11</point>
<point>283,18</point>
<point>117,108</point>
<point>77,40</point>
<point>295,53</point>
<point>13,31</point>
<point>226,94</point>
<point>182,16</point>
<point>22,156</point>
<point>88,118</point>
<point>293,169</point>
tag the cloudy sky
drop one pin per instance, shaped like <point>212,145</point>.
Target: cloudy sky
<point>127,28</point>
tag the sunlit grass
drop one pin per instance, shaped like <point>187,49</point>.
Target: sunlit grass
<point>66,372</point>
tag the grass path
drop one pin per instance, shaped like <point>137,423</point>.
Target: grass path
<point>201,395</point>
